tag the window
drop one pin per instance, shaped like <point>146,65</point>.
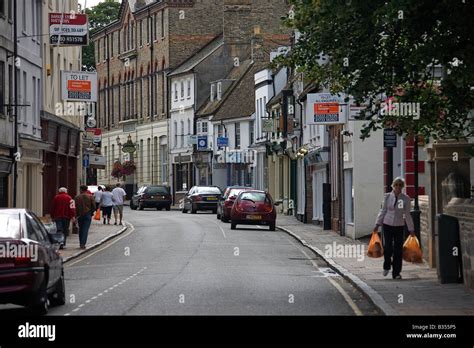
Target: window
<point>141,33</point>
<point>175,91</point>
<point>155,24</point>
<point>141,165</point>
<point>237,135</point>
<point>213,91</point>
<point>182,90</point>
<point>162,23</point>
<point>141,99</point>
<point>189,89</point>
<point>220,131</point>
<point>2,87</point>
<point>2,7</point>
<point>112,45</point>
<point>164,163</point>
<point>148,156</point>
<point>204,127</point>
<point>251,132</point>
<point>118,42</point>
<point>182,134</point>
<point>219,90</point>
<point>175,144</point>
<point>189,127</point>
<point>24,16</point>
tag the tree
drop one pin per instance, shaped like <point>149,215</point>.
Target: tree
<point>412,51</point>
<point>100,16</point>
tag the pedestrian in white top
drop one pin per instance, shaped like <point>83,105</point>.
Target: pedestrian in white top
<point>394,214</point>
<point>98,195</point>
<point>119,197</point>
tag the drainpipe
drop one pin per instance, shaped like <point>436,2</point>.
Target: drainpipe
<point>15,108</point>
<point>305,217</point>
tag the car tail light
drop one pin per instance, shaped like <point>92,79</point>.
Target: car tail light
<point>22,261</point>
<point>229,203</point>
<point>197,198</point>
<point>267,207</point>
<point>145,196</point>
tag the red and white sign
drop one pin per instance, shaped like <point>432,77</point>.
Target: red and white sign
<point>79,86</point>
<point>70,29</point>
<point>325,109</point>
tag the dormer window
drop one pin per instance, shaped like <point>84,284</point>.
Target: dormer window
<point>213,91</point>
<point>219,90</point>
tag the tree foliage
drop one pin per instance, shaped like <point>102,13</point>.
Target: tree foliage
<point>416,51</point>
<point>100,16</point>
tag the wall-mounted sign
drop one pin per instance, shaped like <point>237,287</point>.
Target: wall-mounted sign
<point>268,125</point>
<point>389,138</point>
<point>202,143</point>
<point>79,86</point>
<point>97,161</point>
<point>70,29</point>
<point>325,108</point>
<point>222,142</point>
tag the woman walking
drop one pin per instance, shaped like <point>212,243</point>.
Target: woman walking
<point>106,204</point>
<point>394,214</point>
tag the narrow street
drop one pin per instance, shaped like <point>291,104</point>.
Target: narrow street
<point>195,265</point>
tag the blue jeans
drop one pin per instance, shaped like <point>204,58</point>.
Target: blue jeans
<point>62,226</point>
<point>84,225</point>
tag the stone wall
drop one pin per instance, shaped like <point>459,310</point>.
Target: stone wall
<point>425,225</point>
<point>463,209</point>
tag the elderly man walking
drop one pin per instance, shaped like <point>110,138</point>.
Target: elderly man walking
<point>85,208</point>
<point>62,212</point>
<point>119,197</point>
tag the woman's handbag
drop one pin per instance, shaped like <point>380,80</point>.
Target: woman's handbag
<point>97,215</point>
<point>375,246</point>
<point>412,250</point>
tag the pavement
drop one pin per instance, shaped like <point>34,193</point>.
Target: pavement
<point>98,234</point>
<point>418,293</point>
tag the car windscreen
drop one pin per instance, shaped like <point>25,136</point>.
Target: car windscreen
<point>254,196</point>
<point>208,190</point>
<point>235,192</point>
<point>9,225</point>
<point>157,190</point>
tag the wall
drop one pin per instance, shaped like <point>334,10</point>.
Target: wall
<point>463,209</point>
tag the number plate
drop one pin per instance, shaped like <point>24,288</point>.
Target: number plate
<point>211,198</point>
<point>254,217</point>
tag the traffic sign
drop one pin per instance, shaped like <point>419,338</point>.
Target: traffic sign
<point>202,143</point>
<point>389,138</point>
<point>85,160</point>
<point>222,142</point>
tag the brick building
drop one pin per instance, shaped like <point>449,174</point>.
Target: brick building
<point>149,39</point>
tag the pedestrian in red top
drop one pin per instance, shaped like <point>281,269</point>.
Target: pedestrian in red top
<point>63,211</point>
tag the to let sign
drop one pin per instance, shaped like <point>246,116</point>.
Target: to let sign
<point>79,86</point>
<point>68,29</point>
<point>325,108</point>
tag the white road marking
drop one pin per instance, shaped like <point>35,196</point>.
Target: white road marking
<point>102,293</point>
<point>215,223</point>
<point>344,294</point>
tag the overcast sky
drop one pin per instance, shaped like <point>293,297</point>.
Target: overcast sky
<point>90,3</point>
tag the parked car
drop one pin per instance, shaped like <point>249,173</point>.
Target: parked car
<point>152,196</point>
<point>33,276</point>
<point>224,206</point>
<point>202,198</point>
<point>93,188</point>
<point>253,208</point>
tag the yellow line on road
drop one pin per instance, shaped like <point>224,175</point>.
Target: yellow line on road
<point>106,245</point>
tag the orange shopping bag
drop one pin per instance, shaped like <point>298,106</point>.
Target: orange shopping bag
<point>97,215</point>
<point>412,251</point>
<point>375,246</point>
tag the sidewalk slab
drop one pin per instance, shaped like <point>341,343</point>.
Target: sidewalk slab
<point>98,235</point>
<point>418,293</point>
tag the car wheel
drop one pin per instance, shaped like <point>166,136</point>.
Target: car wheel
<point>218,215</point>
<point>40,304</point>
<point>233,225</point>
<point>133,206</point>
<point>272,226</point>
<point>141,206</point>
<point>58,298</point>
<point>224,219</point>
<point>193,210</point>
<point>168,208</point>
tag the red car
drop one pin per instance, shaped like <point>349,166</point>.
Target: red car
<point>31,268</point>
<point>253,208</point>
<point>224,207</point>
